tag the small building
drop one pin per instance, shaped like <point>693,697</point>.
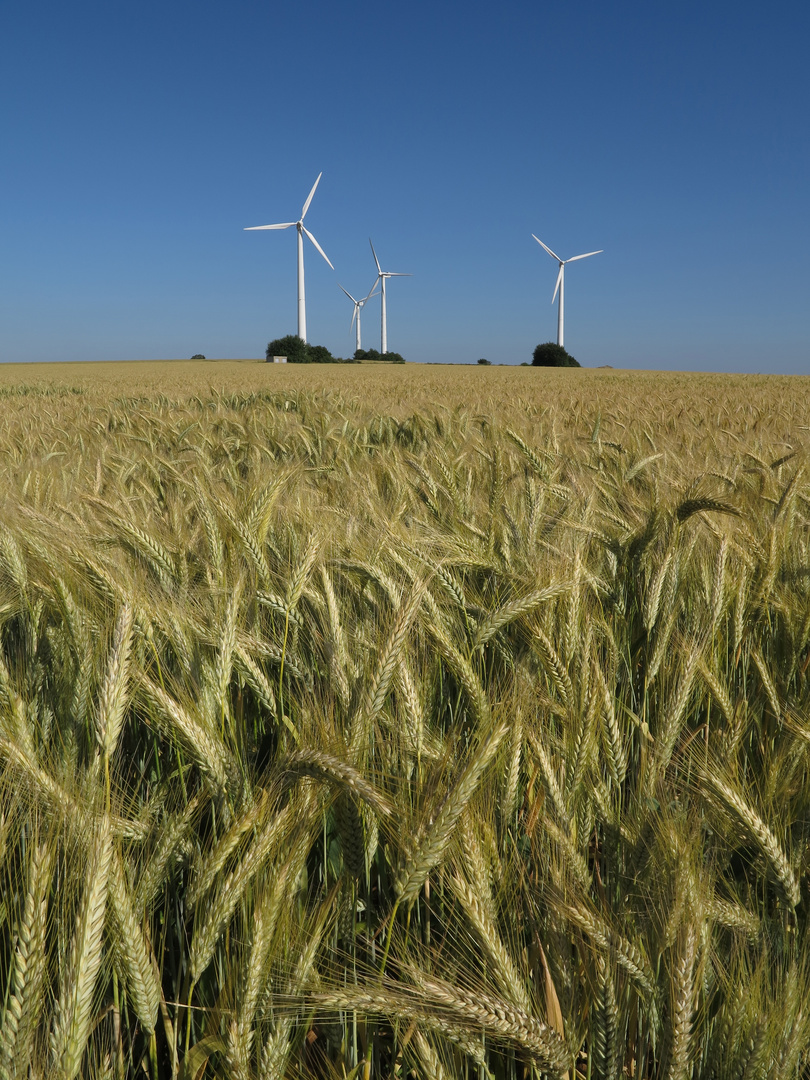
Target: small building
<point>279,359</point>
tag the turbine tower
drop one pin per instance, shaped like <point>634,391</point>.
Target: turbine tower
<point>300,228</point>
<point>381,277</point>
<point>561,283</point>
<point>358,307</point>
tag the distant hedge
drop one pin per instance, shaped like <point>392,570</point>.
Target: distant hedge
<point>372,354</point>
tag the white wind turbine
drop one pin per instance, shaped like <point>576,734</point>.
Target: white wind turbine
<point>300,228</point>
<point>381,277</point>
<point>358,307</point>
<point>561,282</point>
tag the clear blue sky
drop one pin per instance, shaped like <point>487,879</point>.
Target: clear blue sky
<point>138,140</point>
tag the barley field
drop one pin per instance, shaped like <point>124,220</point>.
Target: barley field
<point>431,722</point>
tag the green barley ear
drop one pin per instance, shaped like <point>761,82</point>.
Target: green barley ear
<point>517,609</point>
<point>386,667</point>
<point>606,1049</point>
<point>74,1009</point>
<point>511,781</point>
<point>736,807</point>
<point>435,834</point>
<point>204,745</point>
<point>511,984</point>
<point>303,570</point>
<point>336,771</point>
<point>554,666</point>
<point>22,1012</point>
<point>132,951</point>
<point>112,701</point>
<point>254,979</point>
<point>682,1006</point>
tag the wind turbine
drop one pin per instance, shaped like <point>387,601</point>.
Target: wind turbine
<point>300,228</point>
<point>358,307</point>
<point>561,282</point>
<point>381,277</point>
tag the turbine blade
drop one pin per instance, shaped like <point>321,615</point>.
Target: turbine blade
<point>317,245</point>
<point>389,273</point>
<point>354,316</point>
<point>347,293</point>
<point>546,248</point>
<point>285,225</point>
<point>309,197</point>
<point>587,255</point>
<point>376,260</point>
<point>559,280</point>
<point>373,291</point>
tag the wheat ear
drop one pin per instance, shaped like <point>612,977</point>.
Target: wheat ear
<point>614,744</point>
<point>223,667</point>
<point>431,1066</point>
<point>209,865</point>
<point>627,954</point>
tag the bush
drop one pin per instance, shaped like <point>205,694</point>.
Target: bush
<point>549,354</point>
<point>198,356</point>
<point>487,363</point>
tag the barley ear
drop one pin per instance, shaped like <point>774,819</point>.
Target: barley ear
<point>436,836</point>
<point>28,976</point>
<point>133,954</point>
<point>74,1007</point>
<point>113,697</point>
<point>682,998</point>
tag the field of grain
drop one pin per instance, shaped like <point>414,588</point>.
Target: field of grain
<point>412,721</point>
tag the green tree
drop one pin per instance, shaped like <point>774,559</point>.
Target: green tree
<point>292,346</point>
<point>319,354</point>
<point>549,354</point>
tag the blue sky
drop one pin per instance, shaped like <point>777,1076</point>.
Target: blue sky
<point>137,142</point>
